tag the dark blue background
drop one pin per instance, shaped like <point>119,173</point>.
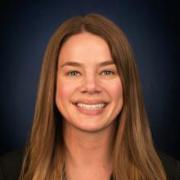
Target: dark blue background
<point>152,28</point>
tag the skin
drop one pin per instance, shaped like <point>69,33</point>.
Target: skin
<point>87,76</point>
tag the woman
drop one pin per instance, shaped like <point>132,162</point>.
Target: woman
<point>90,121</point>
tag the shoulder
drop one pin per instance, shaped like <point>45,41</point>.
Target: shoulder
<point>171,166</point>
<point>10,165</point>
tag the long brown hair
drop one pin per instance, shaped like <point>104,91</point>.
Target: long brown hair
<point>134,155</point>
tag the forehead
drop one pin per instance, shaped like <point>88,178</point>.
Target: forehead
<point>85,47</point>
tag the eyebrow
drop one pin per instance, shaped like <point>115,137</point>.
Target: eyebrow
<point>77,64</point>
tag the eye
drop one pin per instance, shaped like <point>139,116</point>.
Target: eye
<point>107,72</point>
<point>73,73</point>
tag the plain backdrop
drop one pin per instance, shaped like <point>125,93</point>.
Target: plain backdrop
<point>152,28</point>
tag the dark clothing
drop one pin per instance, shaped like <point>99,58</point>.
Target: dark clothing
<point>171,166</point>
<point>10,166</point>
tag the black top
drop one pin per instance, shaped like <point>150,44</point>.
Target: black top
<point>10,166</point>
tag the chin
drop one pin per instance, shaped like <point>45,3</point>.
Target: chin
<point>92,127</point>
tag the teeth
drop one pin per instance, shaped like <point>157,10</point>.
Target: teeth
<point>91,106</point>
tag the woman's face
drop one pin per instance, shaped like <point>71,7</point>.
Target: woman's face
<point>89,90</point>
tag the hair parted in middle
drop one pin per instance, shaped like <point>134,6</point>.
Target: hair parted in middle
<point>134,155</point>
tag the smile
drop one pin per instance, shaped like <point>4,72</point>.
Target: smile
<point>91,106</point>
<point>90,109</point>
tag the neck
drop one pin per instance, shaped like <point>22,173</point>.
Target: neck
<point>89,150</point>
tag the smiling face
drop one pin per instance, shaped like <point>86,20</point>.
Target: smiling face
<point>89,90</point>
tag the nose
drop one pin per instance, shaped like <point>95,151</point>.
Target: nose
<point>90,85</point>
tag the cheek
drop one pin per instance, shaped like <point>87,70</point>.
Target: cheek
<point>64,91</point>
<point>116,91</point>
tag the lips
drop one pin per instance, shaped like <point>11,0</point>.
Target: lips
<point>90,108</point>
